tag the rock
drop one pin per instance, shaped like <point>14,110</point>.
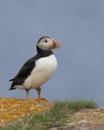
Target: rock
<point>87,119</point>
<point>12,109</point>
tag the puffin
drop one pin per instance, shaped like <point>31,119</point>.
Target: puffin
<point>37,70</point>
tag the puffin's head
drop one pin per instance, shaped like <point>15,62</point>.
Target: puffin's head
<point>47,43</point>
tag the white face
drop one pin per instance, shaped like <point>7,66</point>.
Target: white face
<point>45,43</point>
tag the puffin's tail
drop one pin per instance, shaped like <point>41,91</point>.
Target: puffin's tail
<point>11,80</point>
<point>12,85</point>
<point>12,88</point>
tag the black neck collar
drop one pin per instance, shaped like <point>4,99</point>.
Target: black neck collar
<point>43,53</point>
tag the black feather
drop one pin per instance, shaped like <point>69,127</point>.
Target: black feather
<point>26,69</point>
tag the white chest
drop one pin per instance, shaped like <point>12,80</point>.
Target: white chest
<point>44,69</point>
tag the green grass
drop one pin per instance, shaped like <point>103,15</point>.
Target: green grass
<point>55,117</point>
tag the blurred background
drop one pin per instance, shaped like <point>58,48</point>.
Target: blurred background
<point>77,24</point>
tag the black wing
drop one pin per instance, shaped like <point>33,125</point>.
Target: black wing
<point>27,68</point>
<point>23,73</point>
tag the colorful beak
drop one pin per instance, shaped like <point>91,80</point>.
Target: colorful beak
<point>55,44</point>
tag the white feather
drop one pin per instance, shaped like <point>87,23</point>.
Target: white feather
<point>43,71</point>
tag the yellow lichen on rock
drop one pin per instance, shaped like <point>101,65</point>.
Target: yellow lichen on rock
<point>12,109</point>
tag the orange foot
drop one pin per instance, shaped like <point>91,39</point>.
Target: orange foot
<point>32,100</point>
<point>43,99</point>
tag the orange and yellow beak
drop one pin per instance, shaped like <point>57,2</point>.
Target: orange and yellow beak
<point>55,44</point>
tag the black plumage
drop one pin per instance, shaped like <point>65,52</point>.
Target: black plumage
<point>26,69</point>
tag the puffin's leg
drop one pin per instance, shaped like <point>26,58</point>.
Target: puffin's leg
<point>28,96</point>
<point>39,95</point>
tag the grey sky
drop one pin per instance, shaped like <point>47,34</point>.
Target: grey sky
<point>77,24</point>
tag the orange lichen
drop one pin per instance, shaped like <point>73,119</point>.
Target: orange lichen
<point>12,109</point>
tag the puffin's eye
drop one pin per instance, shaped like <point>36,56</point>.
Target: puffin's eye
<point>45,41</point>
